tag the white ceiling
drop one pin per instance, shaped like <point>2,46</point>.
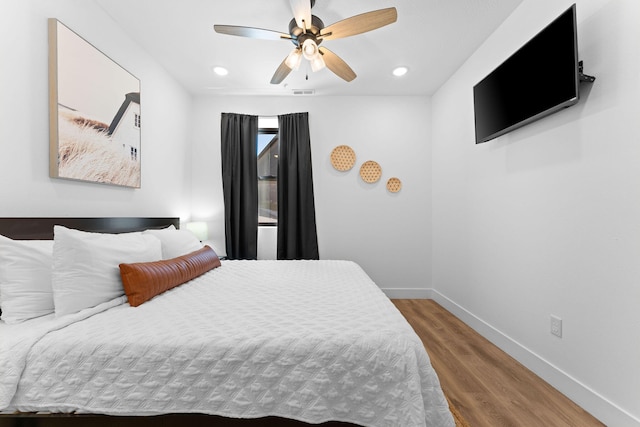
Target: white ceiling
<point>431,37</point>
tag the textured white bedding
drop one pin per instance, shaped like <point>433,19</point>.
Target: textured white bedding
<point>307,340</point>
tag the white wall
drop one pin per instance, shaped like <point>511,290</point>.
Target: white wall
<point>387,234</point>
<point>25,186</point>
<point>546,220</point>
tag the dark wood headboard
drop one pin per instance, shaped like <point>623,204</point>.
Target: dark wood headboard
<point>42,228</point>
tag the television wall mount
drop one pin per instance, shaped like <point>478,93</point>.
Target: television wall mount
<point>583,77</point>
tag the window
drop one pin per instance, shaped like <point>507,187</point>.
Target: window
<point>268,148</point>
<point>134,153</point>
<point>136,120</point>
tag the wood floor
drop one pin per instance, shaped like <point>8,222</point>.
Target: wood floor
<point>488,387</point>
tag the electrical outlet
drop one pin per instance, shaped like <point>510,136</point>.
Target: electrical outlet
<point>556,326</point>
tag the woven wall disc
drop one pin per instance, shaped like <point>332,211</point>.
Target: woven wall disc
<point>394,185</point>
<point>343,158</point>
<point>370,171</point>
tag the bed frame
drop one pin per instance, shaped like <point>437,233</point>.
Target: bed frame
<point>42,229</point>
<point>171,420</point>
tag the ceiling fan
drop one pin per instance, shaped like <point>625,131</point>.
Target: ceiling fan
<point>307,31</point>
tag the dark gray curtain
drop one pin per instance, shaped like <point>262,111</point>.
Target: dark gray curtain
<point>297,237</point>
<point>239,134</point>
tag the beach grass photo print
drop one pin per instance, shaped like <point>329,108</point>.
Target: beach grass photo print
<point>94,108</point>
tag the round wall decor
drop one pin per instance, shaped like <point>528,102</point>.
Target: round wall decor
<point>343,158</point>
<point>394,185</point>
<point>370,171</point>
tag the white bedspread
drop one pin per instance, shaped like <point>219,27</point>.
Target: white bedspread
<point>307,340</point>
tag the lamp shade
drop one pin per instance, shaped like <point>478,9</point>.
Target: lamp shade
<point>309,49</point>
<point>199,229</point>
<point>294,59</point>
<point>317,63</point>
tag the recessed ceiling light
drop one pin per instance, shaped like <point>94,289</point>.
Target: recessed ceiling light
<point>400,71</point>
<point>221,71</point>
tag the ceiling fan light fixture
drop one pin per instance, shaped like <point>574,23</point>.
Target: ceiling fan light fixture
<point>294,59</point>
<point>400,71</point>
<point>307,32</point>
<point>317,63</point>
<point>309,49</point>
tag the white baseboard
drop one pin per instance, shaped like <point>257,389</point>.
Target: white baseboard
<point>408,293</point>
<point>592,402</point>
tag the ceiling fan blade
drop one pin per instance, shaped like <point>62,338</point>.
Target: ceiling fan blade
<point>302,11</point>
<point>280,74</point>
<point>254,33</point>
<point>337,65</point>
<point>360,24</point>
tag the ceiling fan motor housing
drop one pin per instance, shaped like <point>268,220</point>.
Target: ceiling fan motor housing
<point>298,35</point>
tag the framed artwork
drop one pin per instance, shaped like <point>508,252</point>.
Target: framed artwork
<point>94,113</point>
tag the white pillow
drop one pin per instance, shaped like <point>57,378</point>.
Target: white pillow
<point>176,243</point>
<point>25,279</point>
<point>86,265</point>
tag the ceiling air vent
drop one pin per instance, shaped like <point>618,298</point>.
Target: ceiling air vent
<point>303,91</point>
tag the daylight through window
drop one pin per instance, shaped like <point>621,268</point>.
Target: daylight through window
<point>268,148</point>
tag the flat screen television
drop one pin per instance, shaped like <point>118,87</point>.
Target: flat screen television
<point>539,79</point>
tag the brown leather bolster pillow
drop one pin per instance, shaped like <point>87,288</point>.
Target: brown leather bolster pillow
<point>144,280</point>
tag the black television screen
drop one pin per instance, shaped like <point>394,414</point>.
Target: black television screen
<point>539,79</point>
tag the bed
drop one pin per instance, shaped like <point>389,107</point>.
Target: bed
<point>306,341</point>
